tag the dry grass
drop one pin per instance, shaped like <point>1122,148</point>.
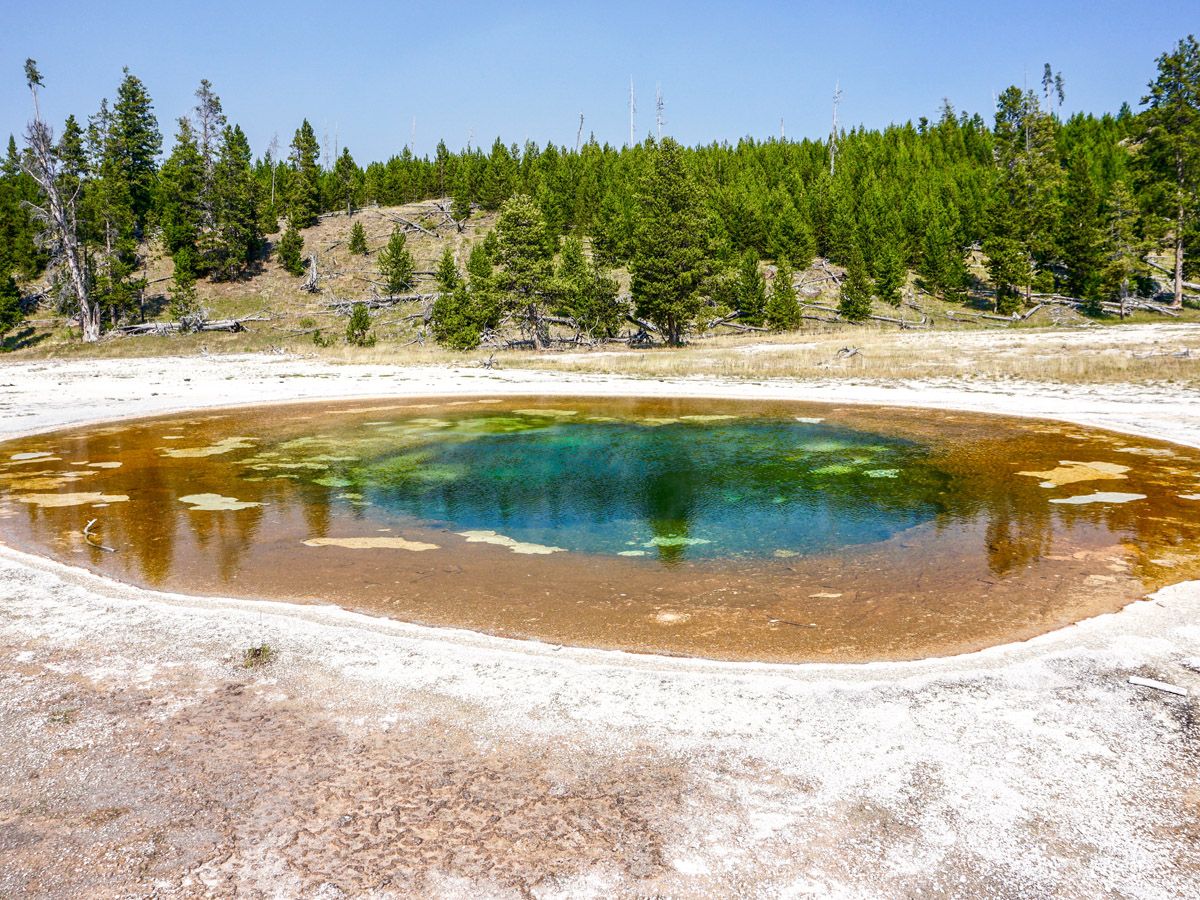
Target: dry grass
<point>1101,355</point>
<point>1075,351</point>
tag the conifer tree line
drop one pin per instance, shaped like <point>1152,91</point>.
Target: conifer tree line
<point>1050,205</point>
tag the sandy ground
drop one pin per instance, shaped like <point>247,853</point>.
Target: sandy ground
<point>137,756</point>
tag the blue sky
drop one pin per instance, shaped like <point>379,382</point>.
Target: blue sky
<point>363,70</point>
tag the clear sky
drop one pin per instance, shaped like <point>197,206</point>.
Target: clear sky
<point>364,70</point>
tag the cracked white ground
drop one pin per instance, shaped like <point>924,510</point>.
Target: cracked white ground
<point>375,757</point>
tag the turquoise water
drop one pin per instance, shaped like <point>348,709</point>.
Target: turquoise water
<point>703,489</point>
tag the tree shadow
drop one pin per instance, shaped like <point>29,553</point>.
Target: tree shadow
<point>22,340</point>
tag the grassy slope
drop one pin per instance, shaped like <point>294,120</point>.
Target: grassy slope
<point>887,352</point>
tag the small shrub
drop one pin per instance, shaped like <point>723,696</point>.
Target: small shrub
<point>307,322</point>
<point>291,245</point>
<point>254,657</point>
<point>358,329</point>
<point>358,240</point>
<point>321,340</point>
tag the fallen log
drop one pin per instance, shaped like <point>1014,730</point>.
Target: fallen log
<point>411,224</point>
<point>1157,685</point>
<point>1190,285</point>
<point>231,325</point>
<point>380,302</point>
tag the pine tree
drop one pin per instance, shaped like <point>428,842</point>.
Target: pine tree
<point>1026,208</point>
<point>454,321</point>
<point>1082,241</point>
<point>585,293</point>
<point>524,254</point>
<point>499,176</point>
<point>751,290</point>
<point>447,272</point>
<point>181,183</point>
<point>236,240</point>
<point>783,309</point>
<point>890,273</point>
<point>671,249</point>
<point>289,250</point>
<point>1009,269</point>
<point>304,189</point>
<point>11,313</point>
<point>460,207</point>
<point>358,329</point>
<point>183,301</point>
<point>396,263</point>
<point>1170,147</point>
<point>110,221</point>
<point>854,304</point>
<point>1125,250</point>
<point>941,270</point>
<point>136,143</point>
<point>346,181</point>
<point>357,244</point>
<point>209,120</point>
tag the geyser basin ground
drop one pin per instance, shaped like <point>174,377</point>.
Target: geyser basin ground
<point>772,531</point>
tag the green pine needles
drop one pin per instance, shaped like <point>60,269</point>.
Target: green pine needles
<point>289,250</point>
<point>358,240</point>
<point>396,263</point>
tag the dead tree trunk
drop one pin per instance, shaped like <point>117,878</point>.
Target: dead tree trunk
<point>1177,302</point>
<point>58,214</point>
<point>312,280</point>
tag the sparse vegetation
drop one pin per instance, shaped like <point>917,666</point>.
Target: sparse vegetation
<point>358,329</point>
<point>358,240</point>
<point>257,656</point>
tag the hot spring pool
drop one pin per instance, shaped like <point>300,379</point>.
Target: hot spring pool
<point>773,531</point>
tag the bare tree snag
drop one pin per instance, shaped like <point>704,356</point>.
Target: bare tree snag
<point>58,213</point>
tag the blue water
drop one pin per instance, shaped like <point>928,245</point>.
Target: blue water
<point>711,489</point>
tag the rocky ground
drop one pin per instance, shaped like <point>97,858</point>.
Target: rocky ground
<point>138,755</point>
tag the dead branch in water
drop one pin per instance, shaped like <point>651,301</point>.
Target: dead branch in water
<point>87,536</point>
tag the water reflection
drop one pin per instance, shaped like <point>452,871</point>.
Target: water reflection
<point>766,505</point>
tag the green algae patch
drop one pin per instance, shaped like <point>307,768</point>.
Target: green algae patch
<point>406,469</point>
<point>547,413</point>
<point>500,540</point>
<point>333,482</point>
<point>54,501</point>
<point>1099,497</point>
<point>371,543</point>
<point>882,473</point>
<point>834,469</point>
<point>221,447</point>
<point>216,503</point>
<point>675,541</point>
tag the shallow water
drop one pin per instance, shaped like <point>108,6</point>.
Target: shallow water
<point>718,528</point>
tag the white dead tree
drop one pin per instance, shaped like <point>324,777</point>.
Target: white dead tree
<point>833,132</point>
<point>58,211</point>
<point>632,111</point>
<point>660,110</point>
